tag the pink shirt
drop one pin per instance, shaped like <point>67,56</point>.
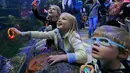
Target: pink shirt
<point>126,0</point>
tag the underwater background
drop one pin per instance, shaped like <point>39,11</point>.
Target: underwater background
<point>17,13</point>
<point>19,54</point>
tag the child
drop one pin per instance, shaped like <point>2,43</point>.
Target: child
<point>65,37</point>
<point>53,15</point>
<point>51,18</point>
<point>110,46</point>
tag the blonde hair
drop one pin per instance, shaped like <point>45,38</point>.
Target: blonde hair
<point>57,9</point>
<point>115,34</point>
<point>73,22</point>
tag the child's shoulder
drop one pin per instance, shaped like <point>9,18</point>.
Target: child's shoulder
<point>125,67</point>
<point>126,63</point>
<point>73,33</point>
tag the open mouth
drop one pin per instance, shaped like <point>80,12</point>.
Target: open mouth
<point>59,24</point>
<point>94,50</point>
<point>50,12</point>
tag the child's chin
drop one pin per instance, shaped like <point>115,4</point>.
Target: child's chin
<point>96,56</point>
<point>59,27</point>
<point>50,14</point>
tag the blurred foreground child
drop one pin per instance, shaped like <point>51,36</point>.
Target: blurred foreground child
<point>110,50</point>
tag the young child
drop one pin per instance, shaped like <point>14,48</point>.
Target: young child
<point>110,48</point>
<point>65,37</point>
<point>52,16</point>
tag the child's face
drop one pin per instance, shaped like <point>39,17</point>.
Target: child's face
<point>52,11</point>
<point>104,49</point>
<point>63,23</point>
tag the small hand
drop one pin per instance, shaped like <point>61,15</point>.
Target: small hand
<point>18,32</point>
<point>49,28</point>
<point>56,58</point>
<point>87,66</point>
<point>34,5</point>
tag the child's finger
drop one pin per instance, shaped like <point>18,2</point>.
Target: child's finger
<point>33,2</point>
<point>12,28</point>
<point>54,61</point>
<point>86,66</point>
<point>50,59</point>
<point>89,66</point>
<point>82,68</point>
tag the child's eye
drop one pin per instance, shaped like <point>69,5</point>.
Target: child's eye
<point>94,39</point>
<point>53,9</point>
<point>104,40</point>
<point>64,18</point>
<point>49,8</point>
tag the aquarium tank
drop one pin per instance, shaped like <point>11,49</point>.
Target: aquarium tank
<point>17,53</point>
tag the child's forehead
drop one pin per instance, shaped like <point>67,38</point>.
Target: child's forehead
<point>96,34</point>
<point>52,7</point>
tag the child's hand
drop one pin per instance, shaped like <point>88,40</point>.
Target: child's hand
<point>56,58</point>
<point>86,66</point>
<point>49,28</point>
<point>34,5</point>
<point>18,32</point>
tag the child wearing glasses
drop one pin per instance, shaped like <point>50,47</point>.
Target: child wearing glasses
<point>110,50</point>
<point>65,37</point>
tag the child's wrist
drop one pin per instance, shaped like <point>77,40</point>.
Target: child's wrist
<point>64,57</point>
<point>26,33</point>
<point>23,33</point>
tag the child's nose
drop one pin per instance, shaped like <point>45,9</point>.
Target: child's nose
<point>96,43</point>
<point>50,9</point>
<point>59,20</point>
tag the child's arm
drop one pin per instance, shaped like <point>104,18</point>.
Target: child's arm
<point>36,13</point>
<point>79,54</point>
<point>42,35</point>
<point>35,34</point>
<point>18,32</point>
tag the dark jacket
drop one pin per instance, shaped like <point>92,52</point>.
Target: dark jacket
<point>43,18</point>
<point>100,69</point>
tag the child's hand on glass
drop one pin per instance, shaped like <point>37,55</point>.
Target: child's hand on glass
<point>82,69</point>
<point>18,32</point>
<point>56,58</point>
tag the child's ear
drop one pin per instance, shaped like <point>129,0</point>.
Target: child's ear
<point>125,54</point>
